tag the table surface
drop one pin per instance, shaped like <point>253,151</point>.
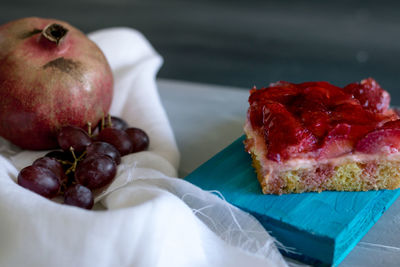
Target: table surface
<point>206,118</point>
<point>246,43</point>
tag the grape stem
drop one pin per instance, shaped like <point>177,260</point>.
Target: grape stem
<point>109,121</point>
<point>89,129</point>
<point>102,122</point>
<point>76,160</point>
<point>65,162</point>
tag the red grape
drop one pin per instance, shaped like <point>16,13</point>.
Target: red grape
<point>96,171</point>
<point>116,123</point>
<point>118,138</point>
<point>53,165</point>
<point>39,180</point>
<point>71,136</point>
<point>104,148</point>
<point>79,196</point>
<point>93,166</point>
<point>139,139</point>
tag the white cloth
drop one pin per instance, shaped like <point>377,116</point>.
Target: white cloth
<point>146,218</point>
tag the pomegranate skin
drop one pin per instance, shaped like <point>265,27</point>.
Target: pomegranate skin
<point>46,84</point>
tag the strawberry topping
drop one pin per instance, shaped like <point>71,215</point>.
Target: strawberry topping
<point>370,94</point>
<point>341,139</point>
<point>279,92</point>
<point>380,141</point>
<point>320,120</point>
<point>288,137</point>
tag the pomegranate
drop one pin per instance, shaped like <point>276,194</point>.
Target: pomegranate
<point>51,75</point>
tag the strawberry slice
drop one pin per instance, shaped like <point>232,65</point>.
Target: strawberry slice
<point>337,142</point>
<point>255,115</point>
<point>318,122</point>
<point>281,92</point>
<point>341,139</point>
<point>327,94</point>
<point>304,103</point>
<point>380,141</point>
<point>284,134</point>
<point>314,116</point>
<point>352,114</point>
<point>370,94</point>
<point>391,125</point>
<point>388,116</point>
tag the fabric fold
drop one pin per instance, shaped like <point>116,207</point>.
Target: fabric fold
<point>146,217</point>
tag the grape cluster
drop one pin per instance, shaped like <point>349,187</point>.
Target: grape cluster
<point>86,162</point>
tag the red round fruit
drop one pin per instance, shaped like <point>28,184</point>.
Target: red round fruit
<point>53,165</point>
<point>96,171</point>
<point>115,122</point>
<point>118,138</point>
<point>103,148</point>
<point>51,75</point>
<point>70,136</point>
<point>40,180</point>
<point>139,138</point>
<point>79,196</point>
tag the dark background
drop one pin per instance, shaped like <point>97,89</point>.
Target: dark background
<point>246,43</point>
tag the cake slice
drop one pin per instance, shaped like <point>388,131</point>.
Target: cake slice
<point>315,136</point>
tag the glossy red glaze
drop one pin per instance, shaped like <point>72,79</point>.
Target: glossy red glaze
<point>380,141</point>
<point>320,120</point>
<point>294,139</point>
<point>370,94</point>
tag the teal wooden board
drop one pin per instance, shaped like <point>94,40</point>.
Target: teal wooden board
<point>322,227</point>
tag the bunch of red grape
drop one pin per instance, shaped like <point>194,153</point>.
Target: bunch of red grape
<point>86,162</point>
